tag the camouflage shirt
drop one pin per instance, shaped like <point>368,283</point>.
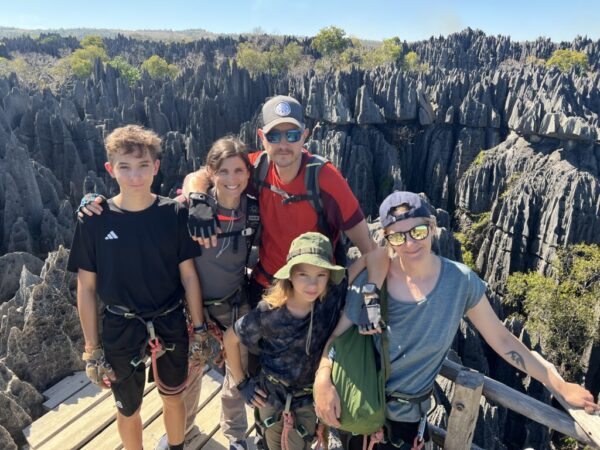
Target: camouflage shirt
<point>280,338</point>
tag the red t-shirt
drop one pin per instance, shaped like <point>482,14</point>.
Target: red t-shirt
<point>282,223</point>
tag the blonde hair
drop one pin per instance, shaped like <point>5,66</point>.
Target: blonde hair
<point>280,290</point>
<point>132,139</point>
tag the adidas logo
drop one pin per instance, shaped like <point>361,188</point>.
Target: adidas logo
<point>110,236</point>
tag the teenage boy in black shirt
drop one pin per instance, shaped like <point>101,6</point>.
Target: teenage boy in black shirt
<point>138,257</point>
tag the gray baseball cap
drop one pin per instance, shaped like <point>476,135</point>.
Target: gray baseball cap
<point>281,109</point>
<point>415,205</point>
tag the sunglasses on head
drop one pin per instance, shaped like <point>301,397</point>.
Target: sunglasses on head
<point>274,137</point>
<point>417,233</point>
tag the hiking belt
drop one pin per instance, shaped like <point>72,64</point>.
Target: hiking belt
<point>157,346</point>
<point>408,398</point>
<point>416,399</point>
<point>222,300</point>
<point>288,422</point>
<point>288,419</point>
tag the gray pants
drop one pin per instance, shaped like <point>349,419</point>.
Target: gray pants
<point>233,413</point>
<point>304,416</point>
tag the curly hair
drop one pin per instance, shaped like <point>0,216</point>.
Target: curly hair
<point>132,139</point>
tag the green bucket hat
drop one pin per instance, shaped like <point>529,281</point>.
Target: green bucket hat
<point>311,248</point>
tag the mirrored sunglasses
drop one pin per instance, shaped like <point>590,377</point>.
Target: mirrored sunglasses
<point>274,137</point>
<point>417,233</point>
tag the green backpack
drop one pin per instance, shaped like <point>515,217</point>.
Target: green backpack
<point>359,374</point>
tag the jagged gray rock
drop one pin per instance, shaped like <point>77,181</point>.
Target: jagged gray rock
<point>6,440</point>
<point>50,327</point>
<point>11,266</point>
<point>481,131</point>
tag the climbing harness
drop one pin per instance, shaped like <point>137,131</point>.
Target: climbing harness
<point>154,342</point>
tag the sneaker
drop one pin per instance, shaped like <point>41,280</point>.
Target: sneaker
<point>163,443</point>
<point>238,445</point>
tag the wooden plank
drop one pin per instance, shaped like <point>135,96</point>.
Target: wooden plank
<point>438,436</point>
<point>87,425</point>
<point>64,389</point>
<point>55,421</point>
<point>465,409</point>
<point>211,386</point>
<point>590,423</point>
<point>65,382</point>
<point>523,404</point>
<point>207,420</point>
<point>109,438</point>
<point>219,442</point>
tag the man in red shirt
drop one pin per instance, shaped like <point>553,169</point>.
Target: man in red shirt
<point>283,136</point>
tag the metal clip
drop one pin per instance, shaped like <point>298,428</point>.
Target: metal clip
<point>150,328</point>
<point>421,429</point>
<point>288,402</point>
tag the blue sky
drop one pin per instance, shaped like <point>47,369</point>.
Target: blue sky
<point>368,19</point>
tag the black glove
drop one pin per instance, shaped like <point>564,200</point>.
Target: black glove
<point>370,313</point>
<point>202,216</point>
<point>247,388</point>
<point>87,199</point>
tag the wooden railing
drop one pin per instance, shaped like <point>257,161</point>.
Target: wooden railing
<point>470,385</point>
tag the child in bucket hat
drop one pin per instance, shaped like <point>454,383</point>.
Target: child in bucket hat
<point>288,330</point>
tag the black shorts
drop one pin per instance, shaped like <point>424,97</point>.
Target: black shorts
<point>123,339</point>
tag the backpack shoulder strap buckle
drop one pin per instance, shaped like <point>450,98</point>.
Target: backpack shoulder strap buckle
<point>248,231</point>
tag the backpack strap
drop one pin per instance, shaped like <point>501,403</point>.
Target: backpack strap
<point>313,191</point>
<point>385,345</point>
<point>311,184</point>
<point>253,222</point>
<point>252,226</point>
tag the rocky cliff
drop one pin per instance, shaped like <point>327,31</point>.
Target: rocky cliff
<point>481,132</point>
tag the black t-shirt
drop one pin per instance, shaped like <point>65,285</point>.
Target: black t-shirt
<point>135,255</point>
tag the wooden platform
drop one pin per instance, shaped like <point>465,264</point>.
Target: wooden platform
<point>82,416</point>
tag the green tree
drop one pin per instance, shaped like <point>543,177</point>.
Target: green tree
<point>567,59</point>
<point>92,41</point>
<point>82,60</point>
<point>330,41</point>
<point>411,62</point>
<point>130,73</point>
<point>392,48</point>
<point>158,68</point>
<point>274,60</point>
<point>562,309</point>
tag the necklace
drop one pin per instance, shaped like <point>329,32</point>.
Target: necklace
<point>227,241</point>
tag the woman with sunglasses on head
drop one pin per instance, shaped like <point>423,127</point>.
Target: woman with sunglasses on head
<point>427,296</point>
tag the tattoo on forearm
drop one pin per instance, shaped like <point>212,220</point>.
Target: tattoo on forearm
<point>517,359</point>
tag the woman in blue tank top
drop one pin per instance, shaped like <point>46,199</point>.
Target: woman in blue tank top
<point>428,295</point>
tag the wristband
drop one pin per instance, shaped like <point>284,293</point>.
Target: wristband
<point>242,384</point>
<point>199,329</point>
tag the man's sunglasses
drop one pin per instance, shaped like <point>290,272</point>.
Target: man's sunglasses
<point>274,137</point>
<point>417,233</point>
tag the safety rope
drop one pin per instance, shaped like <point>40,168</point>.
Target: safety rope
<point>288,423</point>
<point>321,441</point>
